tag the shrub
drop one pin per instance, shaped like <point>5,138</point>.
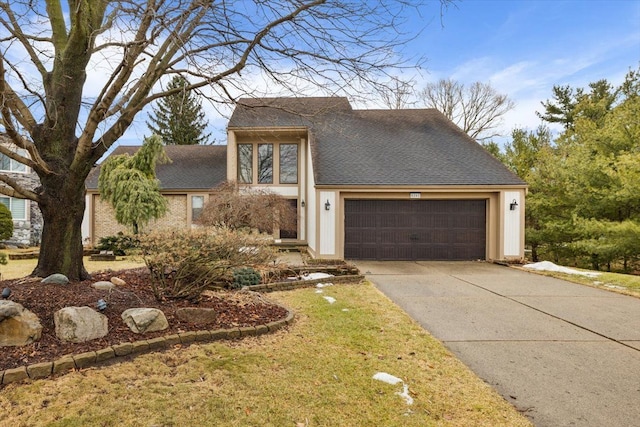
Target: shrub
<point>245,276</point>
<point>119,244</point>
<point>6,223</point>
<point>257,209</point>
<point>184,262</point>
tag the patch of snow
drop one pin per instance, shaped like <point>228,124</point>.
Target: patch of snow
<point>319,291</point>
<point>387,378</point>
<point>390,379</point>
<point>323,285</point>
<point>405,395</point>
<point>330,299</point>
<point>345,309</point>
<point>614,286</point>
<point>316,276</point>
<point>549,266</point>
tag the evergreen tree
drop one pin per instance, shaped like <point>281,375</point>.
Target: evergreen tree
<point>6,223</point>
<point>129,184</point>
<point>178,118</point>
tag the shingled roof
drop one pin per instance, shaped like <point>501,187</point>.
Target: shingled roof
<point>192,167</point>
<point>378,147</point>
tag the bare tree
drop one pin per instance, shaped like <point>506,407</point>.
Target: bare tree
<point>476,109</point>
<point>73,77</point>
<point>397,93</point>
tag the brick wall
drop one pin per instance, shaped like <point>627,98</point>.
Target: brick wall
<point>105,224</point>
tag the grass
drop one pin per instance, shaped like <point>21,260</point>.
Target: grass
<point>317,373</point>
<point>23,267</point>
<point>627,284</point>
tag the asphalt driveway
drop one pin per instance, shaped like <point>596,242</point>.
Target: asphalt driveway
<point>563,354</point>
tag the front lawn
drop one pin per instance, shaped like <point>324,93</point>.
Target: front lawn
<point>319,372</point>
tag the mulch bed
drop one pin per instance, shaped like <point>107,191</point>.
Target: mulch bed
<point>234,309</point>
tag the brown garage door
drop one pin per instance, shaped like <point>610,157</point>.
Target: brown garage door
<point>415,229</point>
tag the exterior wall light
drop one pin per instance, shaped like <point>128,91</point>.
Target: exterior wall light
<point>327,205</point>
<point>513,205</point>
<point>302,204</point>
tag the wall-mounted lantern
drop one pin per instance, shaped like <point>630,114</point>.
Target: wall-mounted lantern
<point>327,205</point>
<point>513,205</point>
<point>302,204</point>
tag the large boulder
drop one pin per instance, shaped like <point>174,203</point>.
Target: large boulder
<point>103,285</point>
<point>141,320</point>
<point>18,326</point>
<point>196,315</point>
<point>80,324</point>
<point>56,279</point>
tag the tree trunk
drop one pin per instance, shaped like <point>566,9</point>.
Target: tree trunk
<point>61,248</point>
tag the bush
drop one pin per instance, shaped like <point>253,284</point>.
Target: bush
<point>119,244</point>
<point>258,209</point>
<point>6,223</point>
<point>184,262</point>
<point>245,276</point>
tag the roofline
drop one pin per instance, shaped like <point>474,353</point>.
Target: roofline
<point>269,129</point>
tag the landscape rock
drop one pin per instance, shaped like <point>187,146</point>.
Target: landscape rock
<point>141,320</point>
<point>118,281</point>
<point>57,279</point>
<point>196,315</point>
<point>80,324</point>
<point>103,285</point>
<point>18,326</point>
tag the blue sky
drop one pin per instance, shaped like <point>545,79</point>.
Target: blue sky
<point>522,48</point>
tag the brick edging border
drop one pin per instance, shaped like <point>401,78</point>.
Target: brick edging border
<point>92,358</point>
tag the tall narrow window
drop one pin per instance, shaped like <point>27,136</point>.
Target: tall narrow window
<point>288,163</point>
<point>265,163</point>
<point>197,203</point>
<point>245,163</point>
<point>291,230</point>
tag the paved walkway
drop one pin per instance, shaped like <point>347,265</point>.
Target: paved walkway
<point>563,354</point>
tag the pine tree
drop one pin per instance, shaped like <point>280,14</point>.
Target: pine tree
<point>178,118</point>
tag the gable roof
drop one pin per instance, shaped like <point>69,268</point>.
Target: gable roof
<point>378,147</point>
<point>192,167</point>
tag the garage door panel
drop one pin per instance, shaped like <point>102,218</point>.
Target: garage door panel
<point>415,229</point>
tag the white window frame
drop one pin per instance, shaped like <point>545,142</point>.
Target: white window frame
<point>11,203</point>
<point>15,166</point>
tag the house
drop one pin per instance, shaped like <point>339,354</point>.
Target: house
<point>378,184</point>
<point>27,218</point>
<point>185,182</point>
<point>367,184</point>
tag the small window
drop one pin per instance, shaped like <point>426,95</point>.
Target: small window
<point>18,207</point>
<point>245,163</point>
<point>10,165</point>
<point>197,204</point>
<point>265,163</point>
<point>288,164</point>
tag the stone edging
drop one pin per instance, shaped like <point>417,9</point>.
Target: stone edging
<point>296,284</point>
<point>91,358</point>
